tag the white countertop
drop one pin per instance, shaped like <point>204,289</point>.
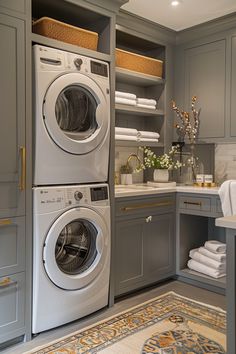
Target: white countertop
<point>144,189</point>
<point>227,222</point>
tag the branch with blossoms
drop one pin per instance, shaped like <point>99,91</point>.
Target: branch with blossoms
<point>188,126</point>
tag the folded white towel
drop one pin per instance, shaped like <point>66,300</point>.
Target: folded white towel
<point>220,257</point>
<point>128,95</point>
<point>126,131</point>
<point>147,140</point>
<point>201,268</point>
<point>146,101</point>
<point>201,258</point>
<point>125,101</point>
<point>126,137</point>
<point>227,193</point>
<point>146,106</point>
<point>215,246</point>
<point>149,135</point>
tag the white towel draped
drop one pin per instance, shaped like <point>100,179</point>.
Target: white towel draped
<point>215,246</point>
<point>127,101</point>
<point>220,257</point>
<point>194,254</point>
<point>147,134</point>
<point>201,268</point>
<point>126,131</point>
<point>146,101</point>
<point>227,193</point>
<point>128,95</point>
<point>126,137</point>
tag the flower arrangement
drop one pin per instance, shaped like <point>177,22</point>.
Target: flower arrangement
<point>163,162</point>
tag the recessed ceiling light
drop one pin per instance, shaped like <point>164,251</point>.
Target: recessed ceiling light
<point>175,3</point>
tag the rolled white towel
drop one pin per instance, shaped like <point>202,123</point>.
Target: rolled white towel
<point>128,95</point>
<point>126,131</point>
<point>194,254</point>
<point>147,140</point>
<point>201,268</point>
<point>215,246</point>
<point>146,101</point>
<point>125,101</point>
<point>149,135</point>
<point>126,137</point>
<point>146,106</point>
<point>216,256</point>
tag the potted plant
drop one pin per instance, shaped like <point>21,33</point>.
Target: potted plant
<point>161,164</point>
<point>126,174</point>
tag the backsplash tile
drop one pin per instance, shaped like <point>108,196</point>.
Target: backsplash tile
<point>121,156</point>
<point>225,162</point>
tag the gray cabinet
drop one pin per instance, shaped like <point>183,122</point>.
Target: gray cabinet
<point>233,88</point>
<point>144,242</point>
<point>205,77</point>
<point>18,6</point>
<point>12,175</point>
<point>12,103</point>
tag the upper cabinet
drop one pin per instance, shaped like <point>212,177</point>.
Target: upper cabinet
<point>205,77</point>
<point>233,88</point>
<point>72,15</point>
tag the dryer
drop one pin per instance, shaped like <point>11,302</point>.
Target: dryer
<point>71,118</point>
<point>71,253</point>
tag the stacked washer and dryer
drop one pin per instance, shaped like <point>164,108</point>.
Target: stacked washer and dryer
<point>71,226</point>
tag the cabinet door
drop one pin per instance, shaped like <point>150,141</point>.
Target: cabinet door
<point>129,255</point>
<point>12,117</point>
<point>12,305</point>
<point>15,5</point>
<point>159,249</point>
<point>205,76</point>
<point>233,89</point>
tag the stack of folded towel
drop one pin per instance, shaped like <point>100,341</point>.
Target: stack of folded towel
<point>125,98</point>
<point>135,135</point>
<point>210,259</point>
<point>146,103</point>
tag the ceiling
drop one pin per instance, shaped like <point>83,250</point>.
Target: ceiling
<point>187,14</point>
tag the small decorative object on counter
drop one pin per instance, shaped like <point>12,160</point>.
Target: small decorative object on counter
<point>161,164</point>
<point>126,174</point>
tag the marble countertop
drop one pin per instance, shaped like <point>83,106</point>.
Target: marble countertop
<point>144,189</point>
<point>227,222</point>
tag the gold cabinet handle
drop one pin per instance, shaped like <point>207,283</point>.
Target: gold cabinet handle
<point>23,168</point>
<point>4,222</point>
<point>143,206</point>
<point>6,282</point>
<point>193,203</point>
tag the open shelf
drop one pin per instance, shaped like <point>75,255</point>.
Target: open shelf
<point>53,43</point>
<point>134,110</point>
<point>191,274</point>
<point>137,78</point>
<point>137,143</point>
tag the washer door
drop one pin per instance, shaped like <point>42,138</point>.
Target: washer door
<point>75,248</point>
<point>76,113</point>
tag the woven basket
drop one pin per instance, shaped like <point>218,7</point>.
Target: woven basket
<point>140,63</point>
<point>51,28</point>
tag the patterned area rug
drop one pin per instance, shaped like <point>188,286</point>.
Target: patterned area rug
<point>168,324</point>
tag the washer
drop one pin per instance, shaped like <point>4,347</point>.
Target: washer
<point>71,253</point>
<point>72,118</point>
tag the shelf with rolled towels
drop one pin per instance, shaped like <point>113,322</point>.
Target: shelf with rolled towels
<point>138,137</point>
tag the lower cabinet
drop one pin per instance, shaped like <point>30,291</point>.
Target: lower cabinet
<point>144,248</point>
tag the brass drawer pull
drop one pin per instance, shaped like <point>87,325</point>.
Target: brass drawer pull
<point>23,168</point>
<point>4,222</point>
<point>6,282</point>
<point>193,203</point>
<point>143,206</point>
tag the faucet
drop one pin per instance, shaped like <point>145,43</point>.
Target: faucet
<point>133,155</point>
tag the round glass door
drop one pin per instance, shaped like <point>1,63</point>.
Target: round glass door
<point>76,113</point>
<point>76,248</point>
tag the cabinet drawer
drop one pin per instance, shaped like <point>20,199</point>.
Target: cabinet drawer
<point>13,5</point>
<point>137,206</point>
<point>195,203</point>
<point>12,245</point>
<point>12,305</point>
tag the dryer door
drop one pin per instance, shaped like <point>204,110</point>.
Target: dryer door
<point>76,248</point>
<point>76,113</point>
